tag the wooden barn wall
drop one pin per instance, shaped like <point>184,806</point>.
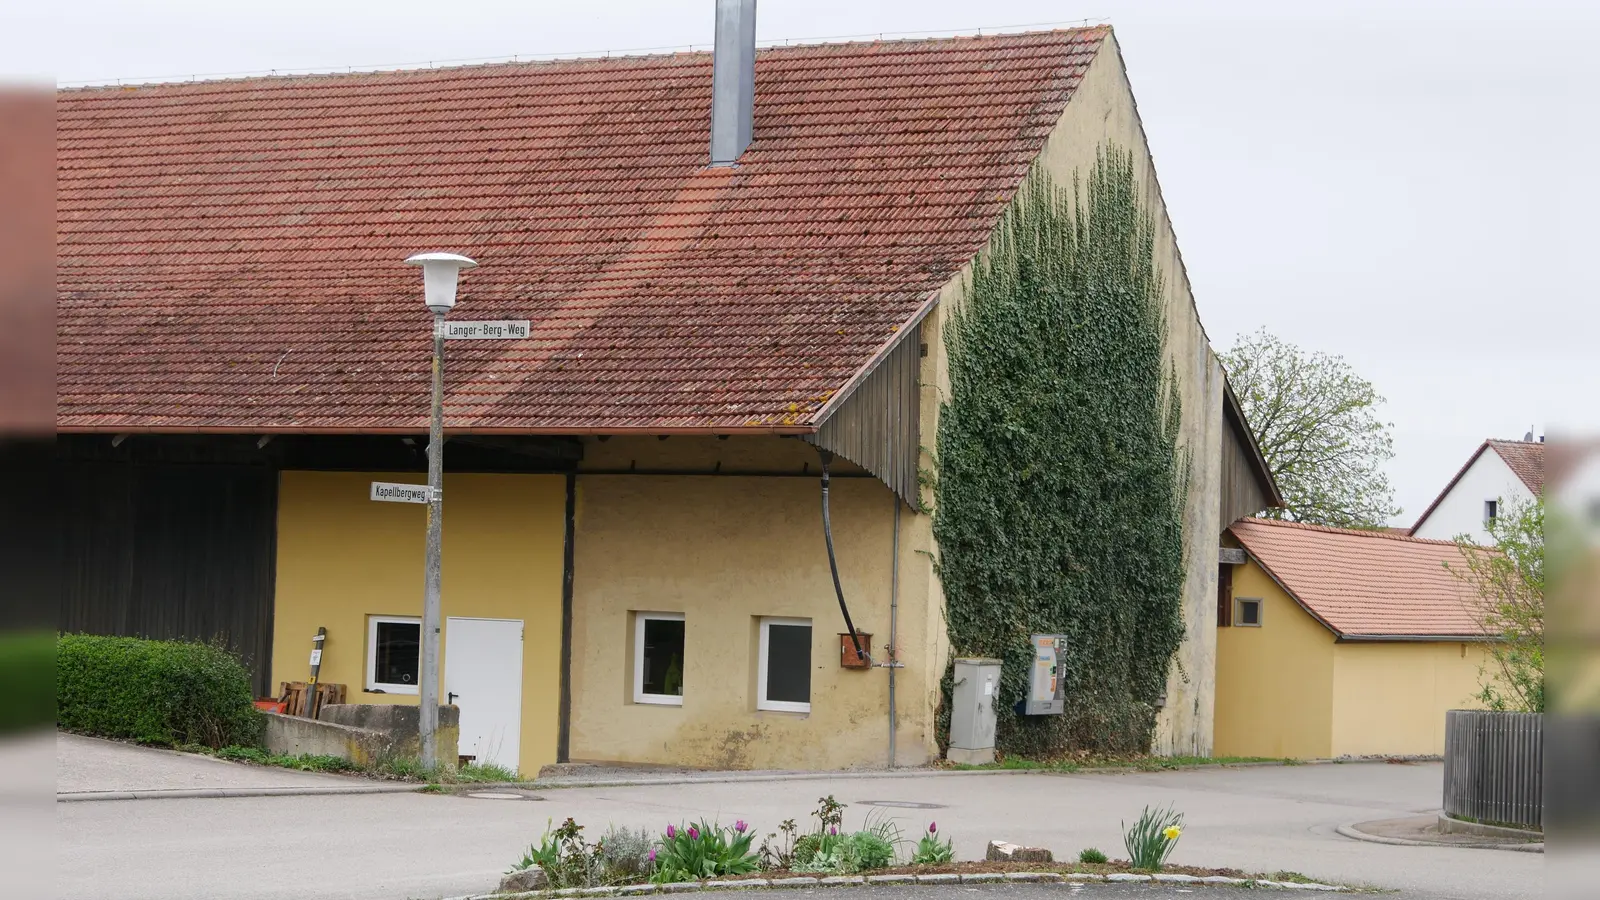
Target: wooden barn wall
<point>170,551</point>
<point>1243,493</point>
<point>876,426</point>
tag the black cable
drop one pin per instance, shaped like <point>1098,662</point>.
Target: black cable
<point>833,564</point>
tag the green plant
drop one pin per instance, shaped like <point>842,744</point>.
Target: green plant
<point>567,860</point>
<point>1091,856</point>
<point>779,855</point>
<point>483,773</point>
<point>159,692</point>
<point>931,849</point>
<point>1152,838</point>
<point>829,813</point>
<point>627,854</point>
<point>704,850</point>
<point>1062,485</point>
<point>1507,584</point>
<point>27,663</point>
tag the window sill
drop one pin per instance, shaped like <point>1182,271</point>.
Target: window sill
<point>657,700</point>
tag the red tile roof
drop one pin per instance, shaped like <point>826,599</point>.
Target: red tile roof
<point>229,253</point>
<point>1524,458</point>
<point>1364,583</point>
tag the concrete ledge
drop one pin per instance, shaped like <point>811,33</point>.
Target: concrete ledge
<point>1460,826</point>
<point>364,734</point>
<point>1355,834</point>
<point>355,787</point>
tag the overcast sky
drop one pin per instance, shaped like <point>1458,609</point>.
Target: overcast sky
<point>1412,185</point>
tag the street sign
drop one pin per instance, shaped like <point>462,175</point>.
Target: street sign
<point>504,329</point>
<point>399,493</point>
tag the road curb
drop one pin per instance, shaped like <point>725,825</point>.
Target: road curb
<point>873,881</point>
<point>1352,833</point>
<point>225,793</point>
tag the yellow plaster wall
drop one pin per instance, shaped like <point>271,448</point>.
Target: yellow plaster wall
<point>724,550</point>
<point>1390,698</point>
<point>343,557</point>
<point>1275,683</point>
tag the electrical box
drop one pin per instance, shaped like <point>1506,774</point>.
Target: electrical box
<point>972,707</point>
<point>1047,676</point>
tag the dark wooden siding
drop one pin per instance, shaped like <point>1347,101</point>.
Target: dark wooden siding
<point>1247,488</point>
<point>170,551</point>
<point>876,426</point>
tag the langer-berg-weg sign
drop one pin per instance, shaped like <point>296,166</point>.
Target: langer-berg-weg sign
<point>399,493</point>
<point>487,331</point>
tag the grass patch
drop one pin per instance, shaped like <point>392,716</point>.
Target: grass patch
<point>392,770</point>
<point>1140,763</point>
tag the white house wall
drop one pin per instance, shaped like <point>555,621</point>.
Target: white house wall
<point>1461,510</point>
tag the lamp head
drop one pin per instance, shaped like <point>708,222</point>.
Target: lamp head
<point>439,274</point>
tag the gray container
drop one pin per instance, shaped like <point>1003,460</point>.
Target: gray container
<point>972,711</point>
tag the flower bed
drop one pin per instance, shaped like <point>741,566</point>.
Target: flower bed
<point>708,853</point>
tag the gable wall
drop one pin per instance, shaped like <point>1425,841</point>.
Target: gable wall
<point>1102,111</point>
<point>1461,510</point>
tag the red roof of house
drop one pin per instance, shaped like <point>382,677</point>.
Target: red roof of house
<point>1524,458</point>
<point>229,253</point>
<point>1365,584</point>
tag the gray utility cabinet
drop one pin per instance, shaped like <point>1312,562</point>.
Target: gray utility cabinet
<point>972,712</point>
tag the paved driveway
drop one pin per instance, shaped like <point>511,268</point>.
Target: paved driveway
<point>85,764</point>
<point>399,846</point>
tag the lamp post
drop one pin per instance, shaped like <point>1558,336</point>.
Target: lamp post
<point>439,274</point>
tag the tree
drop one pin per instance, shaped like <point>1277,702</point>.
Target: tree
<point>1316,423</point>
<point>1507,582</point>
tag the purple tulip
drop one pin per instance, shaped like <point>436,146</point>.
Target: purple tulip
<point>833,829</point>
<point>652,854</point>
<point>933,827</point>
<point>671,832</point>
<point>694,833</point>
<point>740,826</point>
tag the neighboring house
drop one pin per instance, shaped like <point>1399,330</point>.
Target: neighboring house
<point>634,562</point>
<point>1499,475</point>
<point>1336,642</point>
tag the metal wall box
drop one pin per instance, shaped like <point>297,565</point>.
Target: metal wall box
<point>847,651</point>
<point>972,711</point>
<point>1047,676</point>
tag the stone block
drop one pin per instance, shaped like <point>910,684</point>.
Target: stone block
<point>532,878</point>
<point>891,879</point>
<point>1127,876</point>
<point>980,877</point>
<point>947,878</point>
<point>1004,851</point>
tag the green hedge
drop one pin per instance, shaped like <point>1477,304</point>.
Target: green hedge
<point>160,692</point>
<point>27,662</point>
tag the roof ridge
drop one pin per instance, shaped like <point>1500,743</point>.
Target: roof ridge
<point>1358,532</point>
<point>587,56</point>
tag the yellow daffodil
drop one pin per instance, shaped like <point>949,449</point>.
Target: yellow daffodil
<point>1172,832</point>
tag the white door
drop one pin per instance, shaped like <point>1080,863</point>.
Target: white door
<point>483,676</point>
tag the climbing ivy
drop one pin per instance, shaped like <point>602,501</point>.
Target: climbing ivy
<point>1060,486</point>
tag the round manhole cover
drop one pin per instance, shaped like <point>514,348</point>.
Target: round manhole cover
<point>496,795</point>
<point>901,804</point>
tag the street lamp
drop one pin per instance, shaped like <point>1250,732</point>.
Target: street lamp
<point>439,274</point>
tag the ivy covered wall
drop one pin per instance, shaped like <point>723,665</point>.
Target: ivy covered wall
<point>1059,498</point>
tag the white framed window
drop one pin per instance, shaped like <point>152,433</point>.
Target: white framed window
<point>394,654</point>
<point>784,676</point>
<point>1248,613</point>
<point>658,658</point>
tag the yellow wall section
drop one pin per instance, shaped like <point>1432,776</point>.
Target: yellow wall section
<point>724,550</point>
<point>342,557</point>
<point>1274,683</point>
<point>1390,698</point>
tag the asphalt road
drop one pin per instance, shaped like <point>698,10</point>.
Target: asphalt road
<point>401,846</point>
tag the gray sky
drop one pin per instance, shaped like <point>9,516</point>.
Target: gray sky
<point>1409,184</point>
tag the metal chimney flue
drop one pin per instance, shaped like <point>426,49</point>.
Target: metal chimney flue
<point>733,81</point>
